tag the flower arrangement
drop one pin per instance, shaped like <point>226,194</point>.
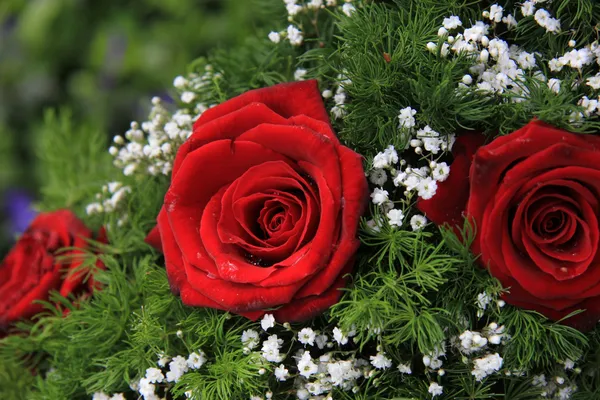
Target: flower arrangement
<point>375,200</point>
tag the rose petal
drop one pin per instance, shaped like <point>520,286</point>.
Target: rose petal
<point>450,201</point>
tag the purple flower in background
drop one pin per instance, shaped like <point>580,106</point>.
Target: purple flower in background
<point>19,213</point>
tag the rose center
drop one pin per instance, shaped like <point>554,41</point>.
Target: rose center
<point>551,223</point>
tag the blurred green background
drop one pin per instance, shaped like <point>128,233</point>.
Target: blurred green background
<point>103,59</point>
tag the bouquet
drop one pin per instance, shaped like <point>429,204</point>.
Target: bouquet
<point>375,200</point>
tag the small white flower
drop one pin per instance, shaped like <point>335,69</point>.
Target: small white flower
<point>379,196</point>
<point>554,85</point>
<point>307,336</point>
<point>294,35</point>
<point>496,13</point>
<point>180,82</point>
<point>177,367</point>
<point>154,375</point>
<point>270,349</point>
<point>348,9</point>
<point>314,4</point>
<point>486,366</point>
<point>452,22</point>
<point>188,97</point>
<point>395,217</point>
<point>405,369</point>
<point>327,94</point>
<point>281,373</point>
<point>380,361</point>
<point>427,188</point>
<point>339,336</point>
<point>417,222</point>
<point>467,79</point>
<point>441,172</point>
<point>299,74</point>
<point>528,8</point>
<point>163,359</point>
<point>594,82</point>
<point>378,176</point>
<point>431,46</point>
<point>274,37</point>
<point>100,396</point>
<point>321,341</point>
<point>293,9</point>
<point>566,392</point>
<point>569,364</point>
<point>539,380</point>
<point>267,322</point>
<point>195,360</point>
<point>306,367</point>
<point>435,389</point>
<point>555,65</point>
<point>406,117</point>
<point>250,338</point>
<point>510,21</point>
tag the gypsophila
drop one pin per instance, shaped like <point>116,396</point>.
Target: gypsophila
<point>267,322</point>
<point>407,118</point>
<point>379,196</point>
<point>417,222</point>
<point>395,217</point>
<point>281,373</point>
<point>435,389</point>
<point>177,367</point>
<point>307,336</point>
<point>250,338</point>
<point>306,367</point>
<point>270,349</point>
<point>380,361</point>
<point>196,360</point>
<point>486,366</point>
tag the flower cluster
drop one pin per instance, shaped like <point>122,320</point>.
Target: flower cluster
<point>111,199</point>
<point>500,68</point>
<point>429,146</point>
<point>320,364</point>
<point>297,8</point>
<point>149,385</point>
<point>149,148</point>
<point>558,387</point>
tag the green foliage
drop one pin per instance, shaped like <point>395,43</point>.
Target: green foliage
<point>410,291</point>
<point>70,177</point>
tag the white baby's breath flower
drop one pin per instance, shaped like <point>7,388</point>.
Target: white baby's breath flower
<point>417,222</point>
<point>306,367</point>
<point>307,336</point>
<point>268,321</point>
<point>395,217</point>
<point>348,9</point>
<point>281,373</point>
<point>452,22</point>
<point>435,389</point>
<point>250,338</point>
<point>379,196</point>
<point>299,74</point>
<point>404,369</point>
<point>274,37</point>
<point>380,361</point>
<point>294,35</point>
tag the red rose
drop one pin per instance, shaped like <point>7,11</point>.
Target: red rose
<point>33,268</point>
<point>534,197</point>
<point>263,207</point>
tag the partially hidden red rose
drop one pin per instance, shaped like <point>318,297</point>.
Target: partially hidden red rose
<point>36,265</point>
<point>263,208</point>
<point>534,197</point>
